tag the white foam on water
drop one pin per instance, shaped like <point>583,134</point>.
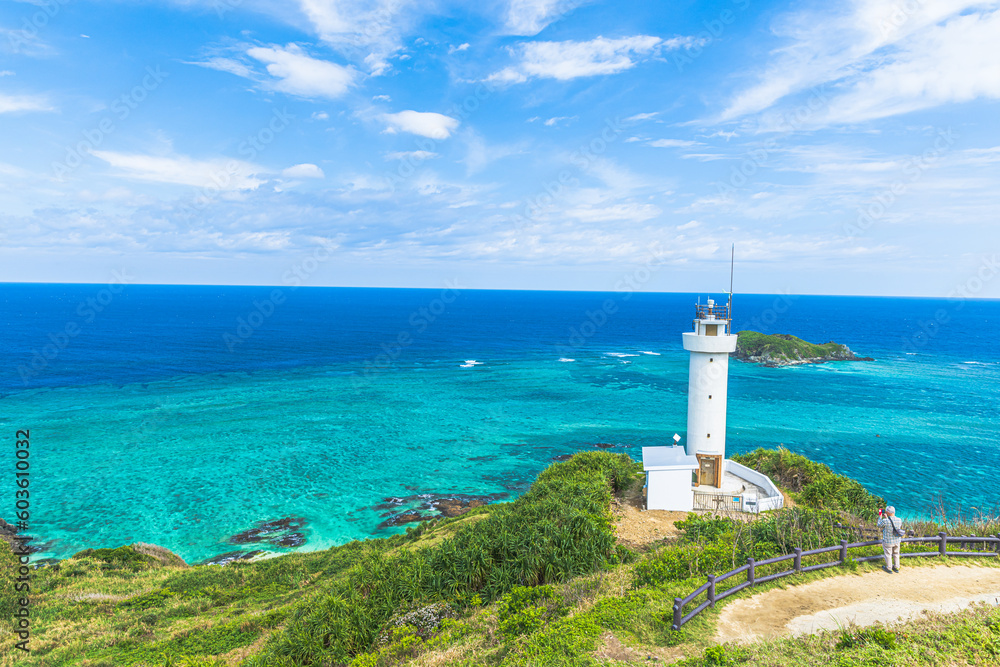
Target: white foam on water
<point>655,354</point>
<point>470,363</point>
<point>565,359</point>
<point>620,354</point>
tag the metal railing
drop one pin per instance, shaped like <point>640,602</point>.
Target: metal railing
<point>718,502</point>
<point>712,595</point>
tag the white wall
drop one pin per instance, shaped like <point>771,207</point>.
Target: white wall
<point>708,375</point>
<point>669,490</point>
<point>774,499</point>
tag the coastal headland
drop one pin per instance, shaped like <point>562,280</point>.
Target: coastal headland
<point>547,578</point>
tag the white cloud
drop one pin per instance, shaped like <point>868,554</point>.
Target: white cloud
<point>365,30</point>
<point>382,98</point>
<point>643,116</point>
<point>218,174</point>
<point>688,225</point>
<point>558,119</point>
<point>456,49</point>
<point>422,123</point>
<point>530,17</point>
<point>320,115</point>
<point>569,59</point>
<point>226,65</point>
<point>880,58</point>
<point>305,170</point>
<point>415,156</point>
<point>298,74</point>
<point>672,143</point>
<point>12,103</point>
<point>6,72</point>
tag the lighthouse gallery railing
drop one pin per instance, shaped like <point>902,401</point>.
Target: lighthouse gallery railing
<point>712,595</point>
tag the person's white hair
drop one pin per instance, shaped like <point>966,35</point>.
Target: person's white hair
<point>890,510</point>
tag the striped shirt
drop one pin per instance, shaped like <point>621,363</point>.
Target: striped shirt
<point>886,524</point>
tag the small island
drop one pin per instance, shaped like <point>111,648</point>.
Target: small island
<point>785,350</point>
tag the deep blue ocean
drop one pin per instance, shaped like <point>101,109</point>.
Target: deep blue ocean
<point>183,415</point>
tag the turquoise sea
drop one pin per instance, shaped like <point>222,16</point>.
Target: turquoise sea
<point>150,424</point>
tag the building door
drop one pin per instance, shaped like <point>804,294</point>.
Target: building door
<point>707,470</point>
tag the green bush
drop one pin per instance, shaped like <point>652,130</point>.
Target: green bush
<point>560,528</point>
<point>813,484</point>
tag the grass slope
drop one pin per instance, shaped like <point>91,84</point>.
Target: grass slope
<point>538,581</point>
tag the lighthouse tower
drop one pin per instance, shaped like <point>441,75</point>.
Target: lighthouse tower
<point>710,344</point>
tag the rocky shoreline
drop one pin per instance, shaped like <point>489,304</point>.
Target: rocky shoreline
<point>777,350</point>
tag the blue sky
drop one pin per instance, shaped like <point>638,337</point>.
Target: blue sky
<point>845,148</point>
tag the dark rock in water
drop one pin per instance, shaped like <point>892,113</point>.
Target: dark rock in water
<point>603,445</point>
<point>9,531</point>
<point>280,533</point>
<point>230,557</point>
<point>426,506</point>
<point>482,459</point>
<point>410,487</point>
<point>562,457</point>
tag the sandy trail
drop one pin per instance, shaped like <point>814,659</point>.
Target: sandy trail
<point>860,599</point>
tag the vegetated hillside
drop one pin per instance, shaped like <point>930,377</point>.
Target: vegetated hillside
<point>784,349</point>
<point>538,581</point>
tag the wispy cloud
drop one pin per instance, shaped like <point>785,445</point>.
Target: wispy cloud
<point>296,73</point>
<point>885,58</point>
<point>217,174</point>
<point>569,60</point>
<point>672,143</point>
<point>530,17</point>
<point>14,103</point>
<point>365,31</point>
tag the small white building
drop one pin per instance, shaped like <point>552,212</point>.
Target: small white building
<point>699,476</point>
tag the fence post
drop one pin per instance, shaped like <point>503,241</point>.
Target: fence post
<point>943,546</point>
<point>843,552</point>
<point>711,589</point>
<point>751,572</point>
<point>677,614</point>
<point>798,559</point>
<point>996,545</point>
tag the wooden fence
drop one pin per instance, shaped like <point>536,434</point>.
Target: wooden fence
<point>990,546</point>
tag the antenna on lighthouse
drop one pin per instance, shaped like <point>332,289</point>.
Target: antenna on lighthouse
<point>732,264</point>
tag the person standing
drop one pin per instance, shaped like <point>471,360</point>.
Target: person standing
<point>892,534</point>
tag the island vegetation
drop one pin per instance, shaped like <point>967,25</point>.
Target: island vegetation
<point>540,580</point>
<point>786,350</point>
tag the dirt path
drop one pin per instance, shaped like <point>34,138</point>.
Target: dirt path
<point>637,528</point>
<point>860,599</point>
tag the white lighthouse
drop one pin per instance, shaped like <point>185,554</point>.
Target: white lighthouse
<point>698,476</point>
<point>710,344</point>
